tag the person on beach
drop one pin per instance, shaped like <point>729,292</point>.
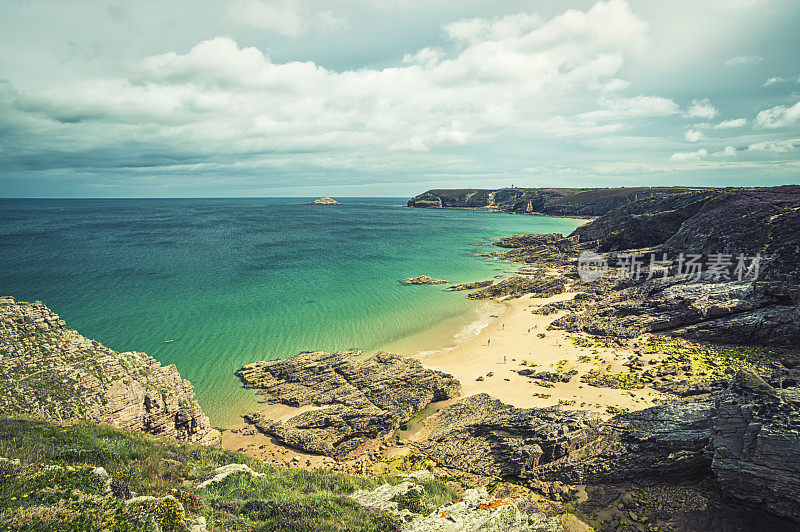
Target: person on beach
<point>488,341</point>
<point>504,359</point>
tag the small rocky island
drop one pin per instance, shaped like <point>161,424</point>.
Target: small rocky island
<point>422,279</point>
<point>324,201</point>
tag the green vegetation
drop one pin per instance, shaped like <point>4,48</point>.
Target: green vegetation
<point>424,499</point>
<point>56,485</point>
<point>709,362</point>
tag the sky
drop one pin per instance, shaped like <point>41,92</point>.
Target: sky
<point>391,98</point>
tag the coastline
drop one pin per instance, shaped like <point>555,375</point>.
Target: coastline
<point>513,329</point>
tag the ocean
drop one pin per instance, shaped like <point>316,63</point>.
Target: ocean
<point>212,284</point>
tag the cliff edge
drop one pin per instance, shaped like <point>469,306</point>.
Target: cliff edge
<point>51,371</point>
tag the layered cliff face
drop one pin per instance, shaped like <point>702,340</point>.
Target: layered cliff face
<point>760,308</point>
<point>553,201</point>
<point>51,371</point>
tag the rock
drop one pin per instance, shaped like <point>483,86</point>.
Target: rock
<point>733,311</point>
<point>484,436</point>
<point>756,443</point>
<point>362,400</point>
<point>665,442</point>
<point>324,201</point>
<point>223,472</point>
<point>550,376</point>
<point>518,286</point>
<point>422,279</point>
<point>475,511</point>
<point>53,372</point>
<point>470,286</point>
<point>750,222</point>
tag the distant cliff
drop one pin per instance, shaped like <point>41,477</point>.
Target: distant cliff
<point>552,201</point>
<point>51,371</point>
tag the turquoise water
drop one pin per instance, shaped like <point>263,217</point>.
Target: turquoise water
<point>233,281</point>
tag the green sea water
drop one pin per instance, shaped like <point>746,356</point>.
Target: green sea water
<point>212,284</point>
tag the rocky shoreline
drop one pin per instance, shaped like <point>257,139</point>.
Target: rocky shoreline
<point>709,439</point>
<point>720,453</point>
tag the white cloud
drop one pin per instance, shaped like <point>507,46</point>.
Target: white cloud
<point>779,116</point>
<point>635,107</point>
<point>739,60</point>
<point>729,151</point>
<point>514,72</point>
<point>327,20</point>
<point>689,156</point>
<point>731,124</point>
<point>773,81</point>
<point>776,146</point>
<point>702,109</point>
<point>290,18</point>
<point>693,135</point>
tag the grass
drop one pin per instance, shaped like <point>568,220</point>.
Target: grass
<point>36,496</point>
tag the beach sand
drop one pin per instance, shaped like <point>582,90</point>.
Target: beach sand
<point>512,338</point>
<point>509,336</point>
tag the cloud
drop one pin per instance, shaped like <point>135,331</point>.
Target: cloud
<point>729,151</point>
<point>289,18</point>
<point>731,124</point>
<point>693,135</point>
<point>775,146</point>
<point>779,116</point>
<point>635,107</point>
<point>509,74</point>
<point>739,60</point>
<point>702,109</point>
<point>689,156</point>
<point>773,81</point>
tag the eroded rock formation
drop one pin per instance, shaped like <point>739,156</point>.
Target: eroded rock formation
<point>361,401</point>
<point>483,435</point>
<point>747,438</point>
<point>49,370</point>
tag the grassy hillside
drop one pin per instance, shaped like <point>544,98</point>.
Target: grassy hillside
<point>49,480</point>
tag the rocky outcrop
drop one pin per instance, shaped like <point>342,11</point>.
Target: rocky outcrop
<point>747,438</point>
<point>762,307</point>
<point>482,435</point>
<point>756,443</point>
<point>476,510</point>
<point>324,201</point>
<point>665,442</point>
<point>361,401</point>
<point>735,311</point>
<point>422,279</point>
<point>552,201</point>
<point>470,286</point>
<point>51,371</point>
<point>514,287</point>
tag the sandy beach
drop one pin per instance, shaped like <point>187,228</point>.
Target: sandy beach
<point>514,339</point>
<point>512,342</point>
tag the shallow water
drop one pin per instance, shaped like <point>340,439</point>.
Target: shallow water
<point>231,281</point>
